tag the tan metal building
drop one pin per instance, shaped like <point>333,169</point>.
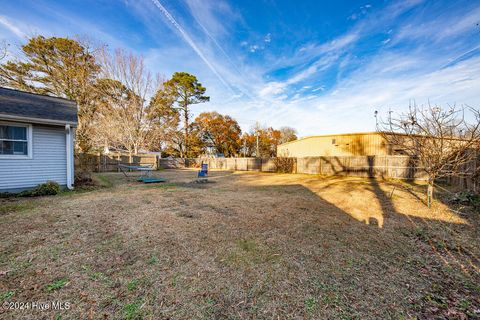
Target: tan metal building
<point>346,144</point>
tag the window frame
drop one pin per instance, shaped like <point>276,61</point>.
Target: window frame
<point>29,154</point>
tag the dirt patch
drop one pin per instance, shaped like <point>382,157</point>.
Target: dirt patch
<point>243,245</point>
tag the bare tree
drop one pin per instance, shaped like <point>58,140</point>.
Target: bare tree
<point>287,134</point>
<point>3,55</point>
<point>125,88</point>
<point>440,141</point>
<point>3,49</point>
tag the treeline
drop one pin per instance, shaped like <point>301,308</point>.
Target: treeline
<point>123,106</point>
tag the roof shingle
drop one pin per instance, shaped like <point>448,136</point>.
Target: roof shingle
<point>30,105</point>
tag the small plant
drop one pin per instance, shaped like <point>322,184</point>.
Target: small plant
<point>175,280</point>
<point>132,311</point>
<point>132,285</point>
<point>100,276</point>
<point>7,295</point>
<point>60,283</point>
<point>7,195</point>
<point>15,207</point>
<point>464,305</point>
<point>467,198</point>
<point>311,304</point>
<point>48,188</point>
<point>210,306</point>
<point>153,259</point>
<point>247,245</point>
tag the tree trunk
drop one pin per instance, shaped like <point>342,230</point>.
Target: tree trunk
<point>430,192</point>
<point>185,111</point>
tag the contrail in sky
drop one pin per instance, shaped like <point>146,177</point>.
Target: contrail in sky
<point>12,27</point>
<point>225,54</point>
<point>190,42</point>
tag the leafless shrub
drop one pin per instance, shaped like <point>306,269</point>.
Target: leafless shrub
<point>84,166</point>
<point>442,141</point>
<point>284,164</point>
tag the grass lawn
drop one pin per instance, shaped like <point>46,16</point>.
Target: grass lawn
<point>243,246</point>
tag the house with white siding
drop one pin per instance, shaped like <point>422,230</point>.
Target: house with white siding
<point>36,140</point>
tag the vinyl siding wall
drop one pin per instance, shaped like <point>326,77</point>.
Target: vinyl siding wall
<point>49,162</point>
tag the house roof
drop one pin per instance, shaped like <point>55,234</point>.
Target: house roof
<point>36,108</point>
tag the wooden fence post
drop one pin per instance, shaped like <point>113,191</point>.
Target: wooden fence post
<point>98,160</point>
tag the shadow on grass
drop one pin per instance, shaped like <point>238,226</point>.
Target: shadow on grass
<point>396,240</point>
<point>283,251</point>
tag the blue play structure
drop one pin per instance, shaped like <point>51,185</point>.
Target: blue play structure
<point>203,173</point>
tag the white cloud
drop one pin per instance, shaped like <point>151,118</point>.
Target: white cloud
<point>12,27</point>
<point>268,38</point>
<point>272,88</point>
<point>321,88</point>
<point>205,14</point>
<point>253,48</point>
<point>446,25</point>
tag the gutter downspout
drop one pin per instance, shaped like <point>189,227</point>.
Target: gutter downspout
<point>69,150</point>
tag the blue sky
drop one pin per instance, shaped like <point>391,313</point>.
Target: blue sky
<point>318,66</point>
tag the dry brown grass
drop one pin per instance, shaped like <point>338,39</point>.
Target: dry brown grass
<point>244,245</point>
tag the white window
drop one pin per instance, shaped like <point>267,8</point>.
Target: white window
<point>15,140</point>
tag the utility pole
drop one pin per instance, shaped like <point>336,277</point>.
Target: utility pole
<point>257,153</point>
